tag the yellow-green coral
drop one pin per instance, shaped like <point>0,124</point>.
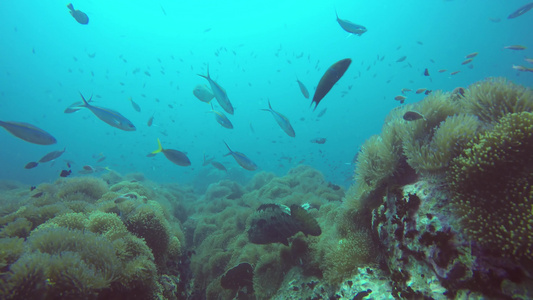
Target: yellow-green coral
<point>88,189</point>
<point>491,181</point>
<point>493,98</point>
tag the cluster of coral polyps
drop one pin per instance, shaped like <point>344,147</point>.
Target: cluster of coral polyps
<point>451,193</point>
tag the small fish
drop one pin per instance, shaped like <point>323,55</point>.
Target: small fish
<point>515,47</point>
<point>37,195</point>
<point>32,188</point>
<point>242,160</point>
<point>203,93</point>
<point>221,118</point>
<point>426,72</point>
<point>472,55</point>
<point>303,89</point>
<point>467,61</point>
<point>101,159</point>
<point>332,75</point>
<point>135,105</point>
<point>175,156</point>
<point>109,116</point>
<point>413,116</point>
<point>495,20</point>
<point>322,112</point>
<point>454,72</point>
<point>405,91</point>
<point>529,60</point>
<point>282,121</point>
<point>319,141</point>
<point>220,93</point>
<point>31,165</point>
<point>401,59</point>
<point>80,16</point>
<point>147,74</point>
<point>427,92</point>
<point>350,27</point>
<point>52,155</point>
<point>400,98</point>
<point>442,70</point>
<point>28,132</point>
<point>420,91</point>
<point>522,68</point>
<point>218,166</point>
<point>65,173</point>
<point>522,10</point>
<point>252,128</point>
<point>150,121</point>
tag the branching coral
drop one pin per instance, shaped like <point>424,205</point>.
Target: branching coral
<point>491,181</point>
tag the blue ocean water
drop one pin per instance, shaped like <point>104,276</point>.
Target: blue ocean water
<point>255,50</point>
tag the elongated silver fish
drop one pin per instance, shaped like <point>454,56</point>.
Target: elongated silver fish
<point>282,121</point>
<point>175,156</point>
<point>522,10</point>
<point>303,89</point>
<point>351,27</point>
<point>242,159</point>
<point>332,75</point>
<point>220,93</point>
<point>52,155</point>
<point>109,116</point>
<point>221,118</point>
<point>28,132</point>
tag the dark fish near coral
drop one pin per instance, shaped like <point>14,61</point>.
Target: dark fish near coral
<point>28,132</point>
<point>220,93</point>
<point>52,155</point>
<point>65,173</point>
<point>242,160</point>
<point>351,27</point>
<point>303,89</point>
<point>273,224</point>
<point>109,116</point>
<point>426,72</point>
<point>175,156</point>
<point>332,75</point>
<point>282,121</point>
<point>80,16</point>
<point>37,195</point>
<point>319,141</point>
<point>31,165</point>
<point>218,166</point>
<point>150,121</point>
<point>400,98</point>
<point>522,10</point>
<point>413,116</point>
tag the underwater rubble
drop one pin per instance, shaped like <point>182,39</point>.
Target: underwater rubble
<point>441,208</point>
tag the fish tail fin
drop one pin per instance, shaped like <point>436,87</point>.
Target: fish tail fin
<point>308,225</point>
<point>336,14</point>
<point>228,149</point>
<point>85,103</point>
<point>269,106</point>
<point>70,6</point>
<point>159,149</point>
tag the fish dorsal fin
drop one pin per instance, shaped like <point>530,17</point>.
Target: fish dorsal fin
<point>308,224</point>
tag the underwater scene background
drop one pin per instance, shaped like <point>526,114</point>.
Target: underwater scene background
<point>410,179</point>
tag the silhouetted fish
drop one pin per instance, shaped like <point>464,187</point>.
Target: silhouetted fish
<point>175,156</point>
<point>80,16</point>
<point>28,132</point>
<point>220,93</point>
<point>522,10</point>
<point>351,27</point>
<point>282,121</point>
<point>31,165</point>
<point>242,159</point>
<point>52,155</point>
<point>109,116</point>
<point>303,89</point>
<point>332,75</point>
<point>221,118</point>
